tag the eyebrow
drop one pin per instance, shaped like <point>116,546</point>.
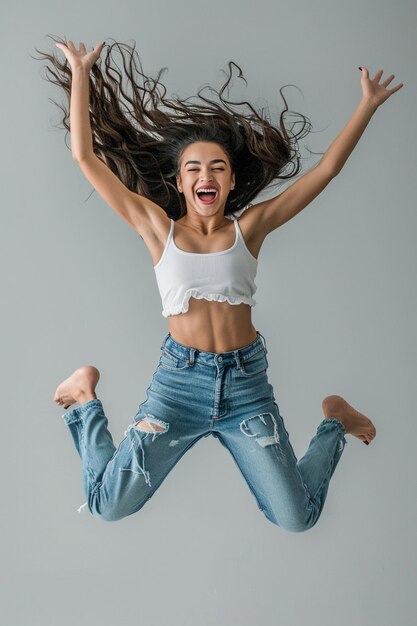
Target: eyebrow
<point>212,161</point>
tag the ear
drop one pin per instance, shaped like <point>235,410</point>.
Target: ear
<point>233,182</point>
<point>179,184</point>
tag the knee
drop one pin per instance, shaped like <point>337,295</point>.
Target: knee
<point>111,511</point>
<point>108,516</point>
<point>106,513</point>
<point>292,525</point>
<point>298,528</point>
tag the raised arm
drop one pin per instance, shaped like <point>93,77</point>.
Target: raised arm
<point>275,212</point>
<point>133,208</point>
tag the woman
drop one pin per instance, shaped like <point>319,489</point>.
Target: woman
<point>200,165</point>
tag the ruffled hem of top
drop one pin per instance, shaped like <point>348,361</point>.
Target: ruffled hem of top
<point>217,297</point>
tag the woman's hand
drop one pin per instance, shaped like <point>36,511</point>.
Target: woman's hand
<point>80,58</point>
<point>374,92</point>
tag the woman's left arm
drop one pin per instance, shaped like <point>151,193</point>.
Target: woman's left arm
<point>373,95</point>
<point>270,214</point>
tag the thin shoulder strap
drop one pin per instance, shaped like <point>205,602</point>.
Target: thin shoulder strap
<point>237,229</point>
<point>170,234</point>
<point>171,230</point>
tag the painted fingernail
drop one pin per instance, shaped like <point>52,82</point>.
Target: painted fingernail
<point>360,69</point>
<point>367,443</point>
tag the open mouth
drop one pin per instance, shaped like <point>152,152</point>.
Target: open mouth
<point>207,197</point>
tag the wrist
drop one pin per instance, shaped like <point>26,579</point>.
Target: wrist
<point>80,70</point>
<point>369,104</point>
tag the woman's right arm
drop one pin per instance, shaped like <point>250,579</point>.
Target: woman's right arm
<point>81,136</point>
<point>139,212</point>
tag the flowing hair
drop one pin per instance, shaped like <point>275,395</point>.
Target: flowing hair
<point>141,135</point>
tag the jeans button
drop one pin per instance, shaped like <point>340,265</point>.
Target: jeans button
<point>220,358</point>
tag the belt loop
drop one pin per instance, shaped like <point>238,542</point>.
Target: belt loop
<point>164,341</point>
<point>191,355</point>
<point>264,341</point>
<point>237,358</point>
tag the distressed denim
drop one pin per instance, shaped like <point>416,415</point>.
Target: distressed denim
<point>194,394</point>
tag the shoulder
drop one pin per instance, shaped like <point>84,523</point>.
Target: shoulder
<point>248,221</point>
<point>154,231</point>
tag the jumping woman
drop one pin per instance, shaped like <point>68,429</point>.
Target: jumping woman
<point>178,173</point>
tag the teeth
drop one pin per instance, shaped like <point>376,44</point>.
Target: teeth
<point>206,189</point>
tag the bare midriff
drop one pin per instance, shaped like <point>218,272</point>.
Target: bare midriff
<point>213,326</point>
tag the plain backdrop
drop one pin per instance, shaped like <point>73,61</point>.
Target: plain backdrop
<point>336,302</point>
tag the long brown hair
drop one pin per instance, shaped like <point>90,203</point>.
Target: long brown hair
<point>140,134</point>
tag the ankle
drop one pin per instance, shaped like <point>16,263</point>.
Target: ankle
<point>340,419</point>
<point>84,397</point>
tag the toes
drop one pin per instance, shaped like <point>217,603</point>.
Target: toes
<point>370,437</point>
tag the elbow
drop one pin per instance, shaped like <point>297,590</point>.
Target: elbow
<point>332,172</point>
<point>78,158</point>
<point>330,169</point>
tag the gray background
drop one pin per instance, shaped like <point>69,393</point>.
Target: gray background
<point>336,304</point>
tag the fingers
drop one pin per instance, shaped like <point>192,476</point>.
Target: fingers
<point>388,80</point>
<point>66,46</point>
<point>70,46</point>
<point>396,88</point>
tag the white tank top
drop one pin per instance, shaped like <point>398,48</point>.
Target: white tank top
<point>228,275</point>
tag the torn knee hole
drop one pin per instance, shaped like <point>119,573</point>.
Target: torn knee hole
<point>263,427</point>
<point>151,425</point>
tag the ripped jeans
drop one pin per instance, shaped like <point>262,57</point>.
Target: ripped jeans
<point>194,394</point>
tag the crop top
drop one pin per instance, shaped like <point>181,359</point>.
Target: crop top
<point>228,275</point>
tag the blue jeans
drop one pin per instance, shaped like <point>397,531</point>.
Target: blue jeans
<point>194,394</point>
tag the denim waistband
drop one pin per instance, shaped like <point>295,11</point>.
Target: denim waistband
<point>213,358</point>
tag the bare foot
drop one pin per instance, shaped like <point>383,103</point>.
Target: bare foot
<point>79,387</point>
<point>354,422</point>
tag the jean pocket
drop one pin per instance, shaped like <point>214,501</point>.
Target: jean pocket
<point>254,365</point>
<point>173,362</point>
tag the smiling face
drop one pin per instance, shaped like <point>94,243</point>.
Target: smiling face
<point>205,164</point>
